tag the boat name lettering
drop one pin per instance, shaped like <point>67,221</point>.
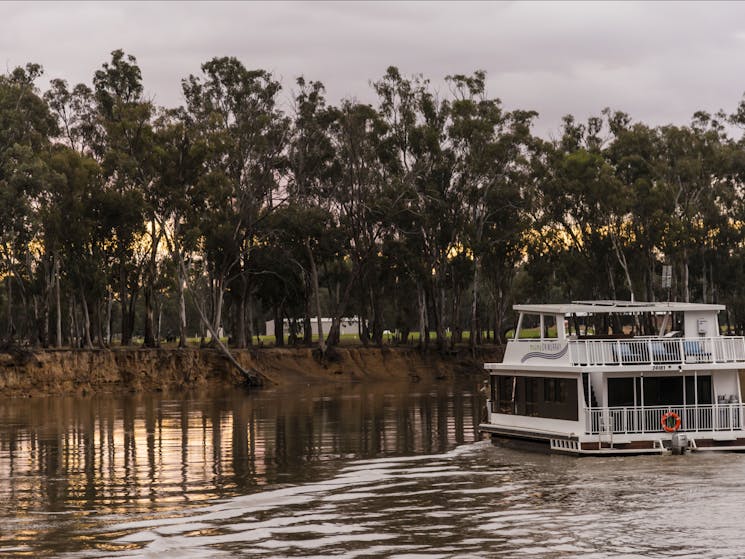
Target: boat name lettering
<point>546,346</point>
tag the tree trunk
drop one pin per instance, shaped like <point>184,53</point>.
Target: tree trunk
<point>158,322</point>
<point>239,333</point>
<point>37,326</point>
<point>74,341</point>
<point>434,315</point>
<point>9,310</point>
<point>422,303</point>
<point>150,277</point>
<point>109,308</point>
<point>611,279</point>
<point>500,310</point>
<point>123,301</point>
<point>441,331</point>
<point>335,333</point>
<point>58,303</point>
<point>149,340</point>
<point>86,321</point>
<point>621,257</point>
<point>308,325</point>
<point>44,319</point>
<point>132,305</point>
<point>253,379</point>
<point>26,324</point>
<point>317,298</point>
<point>249,319</point>
<point>97,320</point>
<point>363,331</point>
<point>377,326</point>
<point>704,287</point>
<point>279,330</point>
<point>474,307</point>
<point>181,309</point>
<point>46,300</point>
<point>217,298</point>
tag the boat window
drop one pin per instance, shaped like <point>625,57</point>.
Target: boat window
<point>577,325</point>
<point>549,326</point>
<point>705,393</point>
<point>667,391</point>
<point>530,327</point>
<point>533,396</point>
<point>548,397</point>
<point>658,391</point>
<point>505,398</point>
<point>621,392</point>
<point>554,390</point>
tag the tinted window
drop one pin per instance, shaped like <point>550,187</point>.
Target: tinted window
<point>554,398</point>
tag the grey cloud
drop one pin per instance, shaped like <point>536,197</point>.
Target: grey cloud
<point>658,61</point>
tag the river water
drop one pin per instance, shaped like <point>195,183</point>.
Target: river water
<point>352,471</point>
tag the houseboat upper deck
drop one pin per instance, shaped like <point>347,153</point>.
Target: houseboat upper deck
<point>616,376</point>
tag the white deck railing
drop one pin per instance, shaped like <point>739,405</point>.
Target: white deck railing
<point>629,420</point>
<point>663,351</point>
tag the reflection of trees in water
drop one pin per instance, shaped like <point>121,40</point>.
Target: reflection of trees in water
<point>144,452</point>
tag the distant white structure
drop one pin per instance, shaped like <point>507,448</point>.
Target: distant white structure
<point>348,326</point>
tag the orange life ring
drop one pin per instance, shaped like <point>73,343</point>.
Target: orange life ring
<point>665,423</point>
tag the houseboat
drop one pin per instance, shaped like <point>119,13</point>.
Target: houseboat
<point>619,377</point>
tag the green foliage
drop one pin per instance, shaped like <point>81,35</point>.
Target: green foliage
<point>422,213</point>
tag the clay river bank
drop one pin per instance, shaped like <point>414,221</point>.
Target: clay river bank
<point>30,373</point>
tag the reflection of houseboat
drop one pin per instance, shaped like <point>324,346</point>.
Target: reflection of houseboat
<point>613,377</point>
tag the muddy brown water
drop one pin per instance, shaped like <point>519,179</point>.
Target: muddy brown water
<point>350,471</point>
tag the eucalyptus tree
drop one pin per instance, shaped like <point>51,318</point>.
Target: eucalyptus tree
<point>310,167</point>
<point>618,203</point>
<point>722,232</point>
<point>426,217</point>
<point>74,109</point>
<point>178,156</point>
<point>26,126</point>
<point>121,140</point>
<point>77,218</point>
<point>76,114</point>
<point>356,185</point>
<point>398,106</point>
<point>365,199</point>
<point>300,238</point>
<point>731,254</point>
<point>694,173</point>
<point>574,201</point>
<point>235,112</point>
<point>492,151</point>
<point>643,209</point>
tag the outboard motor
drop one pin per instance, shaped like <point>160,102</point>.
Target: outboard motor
<point>679,443</point>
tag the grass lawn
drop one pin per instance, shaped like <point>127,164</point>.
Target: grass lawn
<point>346,340</point>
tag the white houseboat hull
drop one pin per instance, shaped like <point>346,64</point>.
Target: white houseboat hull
<point>588,445</point>
<point>620,393</point>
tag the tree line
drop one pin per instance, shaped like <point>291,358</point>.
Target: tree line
<point>424,214</point>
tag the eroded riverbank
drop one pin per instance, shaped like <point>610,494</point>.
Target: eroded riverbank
<point>30,373</point>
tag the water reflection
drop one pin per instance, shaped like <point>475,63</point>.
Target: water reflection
<point>66,462</point>
<point>359,471</point>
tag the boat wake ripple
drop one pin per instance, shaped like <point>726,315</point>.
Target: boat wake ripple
<point>475,501</point>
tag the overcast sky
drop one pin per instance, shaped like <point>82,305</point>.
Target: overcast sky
<point>660,62</point>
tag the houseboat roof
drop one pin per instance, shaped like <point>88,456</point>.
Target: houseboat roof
<point>623,307</point>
